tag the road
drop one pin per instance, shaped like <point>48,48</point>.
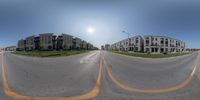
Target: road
<point>99,75</point>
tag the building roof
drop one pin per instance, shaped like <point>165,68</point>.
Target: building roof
<point>162,36</point>
<point>66,34</point>
<point>46,34</point>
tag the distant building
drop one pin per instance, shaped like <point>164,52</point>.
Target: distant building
<point>102,47</point>
<point>10,48</point>
<point>84,45</point>
<point>192,49</point>
<point>21,45</point>
<point>90,46</point>
<point>30,44</point>
<point>107,47</point>
<point>77,43</point>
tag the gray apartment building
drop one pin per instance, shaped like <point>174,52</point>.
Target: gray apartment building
<point>64,41</point>
<point>107,47</point>
<point>67,41</point>
<point>77,43</point>
<point>150,44</point>
<point>162,44</point>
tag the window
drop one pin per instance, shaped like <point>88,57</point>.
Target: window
<point>152,49</point>
<point>156,49</point>
<point>162,50</point>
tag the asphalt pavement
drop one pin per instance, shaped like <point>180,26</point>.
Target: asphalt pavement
<point>122,77</point>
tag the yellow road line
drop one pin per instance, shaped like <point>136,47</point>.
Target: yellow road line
<point>134,89</point>
<point>91,94</point>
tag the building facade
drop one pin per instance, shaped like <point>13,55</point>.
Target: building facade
<point>21,45</point>
<point>130,44</point>
<point>30,44</point>
<point>162,44</point>
<point>107,47</point>
<point>67,41</point>
<point>84,45</point>
<point>77,43</point>
<point>10,48</point>
<point>150,44</point>
<point>136,44</point>
<point>90,47</point>
<point>48,41</point>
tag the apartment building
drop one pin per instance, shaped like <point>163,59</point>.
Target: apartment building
<point>67,41</point>
<point>21,45</point>
<point>162,44</point>
<point>64,41</point>
<point>37,43</point>
<point>107,47</point>
<point>10,48</point>
<point>84,45</point>
<point>124,45</point>
<point>30,44</point>
<point>90,46</point>
<point>135,44</point>
<point>150,44</point>
<point>130,44</point>
<point>47,41</point>
<point>116,46</point>
<point>77,43</point>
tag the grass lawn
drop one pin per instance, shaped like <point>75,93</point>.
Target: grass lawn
<point>144,55</point>
<point>50,53</point>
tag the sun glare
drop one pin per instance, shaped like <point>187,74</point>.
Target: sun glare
<point>90,30</point>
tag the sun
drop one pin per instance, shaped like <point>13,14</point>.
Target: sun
<point>90,30</point>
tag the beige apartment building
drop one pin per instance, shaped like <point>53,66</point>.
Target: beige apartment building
<point>162,44</point>
<point>47,41</point>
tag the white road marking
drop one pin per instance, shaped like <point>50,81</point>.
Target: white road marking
<point>89,58</point>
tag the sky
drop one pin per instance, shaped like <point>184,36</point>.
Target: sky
<point>179,19</point>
